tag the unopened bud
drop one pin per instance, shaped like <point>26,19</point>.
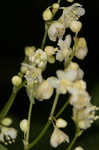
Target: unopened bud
<point>70,1</point>
<point>61,123</point>
<point>47,14</point>
<point>75,26</point>
<point>55,7</point>
<point>79,148</point>
<point>6,122</point>
<point>16,80</point>
<point>24,125</point>
<point>29,50</point>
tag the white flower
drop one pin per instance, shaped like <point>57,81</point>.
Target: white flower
<point>79,98</point>
<point>33,75</point>
<point>71,13</point>
<point>7,134</point>
<point>82,49</point>
<point>39,59</point>
<point>65,79</point>
<point>61,123</point>
<point>56,30</point>
<point>50,50</point>
<point>65,50</point>
<point>58,137</point>
<point>77,86</point>
<point>10,132</point>
<point>75,71</point>
<point>44,91</point>
<point>85,116</point>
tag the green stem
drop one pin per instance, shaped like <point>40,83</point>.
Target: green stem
<point>29,120</point>
<point>46,31</point>
<point>10,101</point>
<point>42,133</point>
<point>54,105</point>
<point>74,139</point>
<point>73,53</point>
<point>62,109</point>
<point>58,1</point>
<point>44,38</point>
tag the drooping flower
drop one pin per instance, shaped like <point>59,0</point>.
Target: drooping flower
<point>58,137</point>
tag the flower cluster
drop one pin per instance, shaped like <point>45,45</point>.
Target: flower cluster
<point>69,80</point>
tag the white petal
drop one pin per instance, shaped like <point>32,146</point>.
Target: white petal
<point>54,82</point>
<point>68,40</point>
<point>60,74</point>
<point>11,132</point>
<point>71,75</point>
<point>59,56</point>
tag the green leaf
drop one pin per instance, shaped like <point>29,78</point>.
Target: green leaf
<point>2,147</point>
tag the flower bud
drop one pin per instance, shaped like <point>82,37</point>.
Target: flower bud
<point>29,50</point>
<point>55,7</point>
<point>16,80</point>
<point>75,26</point>
<point>51,59</point>
<point>23,69</point>
<point>79,148</point>
<point>6,122</point>
<point>70,1</point>
<point>61,123</point>
<point>24,125</point>
<point>82,49</point>
<point>44,91</point>
<point>47,14</point>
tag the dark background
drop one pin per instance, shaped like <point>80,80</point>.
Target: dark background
<point>21,25</point>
